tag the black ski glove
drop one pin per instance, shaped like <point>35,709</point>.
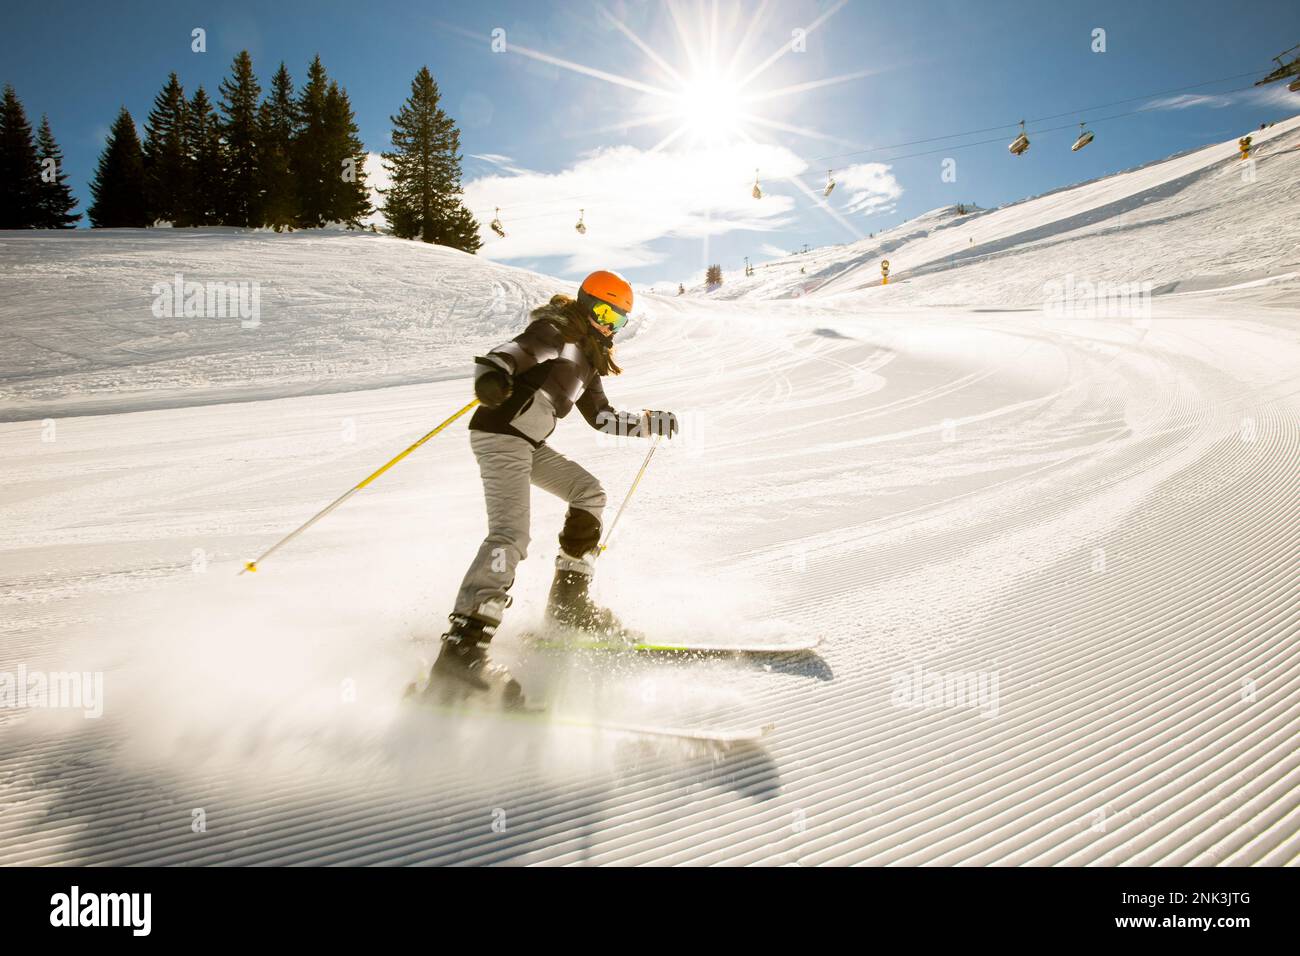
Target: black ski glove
<point>659,423</point>
<point>492,385</point>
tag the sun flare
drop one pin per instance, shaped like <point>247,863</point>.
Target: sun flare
<point>709,107</point>
<point>707,96</point>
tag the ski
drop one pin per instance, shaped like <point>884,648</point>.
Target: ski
<point>716,735</point>
<point>586,643</point>
<point>725,736</point>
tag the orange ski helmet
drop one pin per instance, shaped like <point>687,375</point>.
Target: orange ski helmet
<point>607,298</point>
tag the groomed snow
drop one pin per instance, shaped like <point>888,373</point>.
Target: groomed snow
<point>1090,518</point>
<point>336,311</point>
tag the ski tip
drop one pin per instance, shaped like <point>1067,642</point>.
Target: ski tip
<point>251,566</point>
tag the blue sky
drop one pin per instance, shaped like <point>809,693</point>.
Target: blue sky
<point>543,140</point>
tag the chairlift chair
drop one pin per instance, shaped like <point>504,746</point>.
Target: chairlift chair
<point>1021,142</point>
<point>495,224</point>
<point>758,192</point>
<point>830,182</point>
<point>581,226</point>
<point>1085,137</point>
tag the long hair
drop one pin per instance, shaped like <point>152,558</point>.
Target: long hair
<point>566,315</point>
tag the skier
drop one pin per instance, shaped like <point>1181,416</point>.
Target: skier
<point>524,386</point>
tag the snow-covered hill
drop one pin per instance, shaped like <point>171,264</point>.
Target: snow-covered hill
<point>1203,217</point>
<point>335,311</point>
<point>1087,519</point>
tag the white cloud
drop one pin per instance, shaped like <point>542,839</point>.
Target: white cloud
<point>1275,94</point>
<point>872,188</point>
<point>631,198</point>
<point>1188,100</point>
<point>500,161</point>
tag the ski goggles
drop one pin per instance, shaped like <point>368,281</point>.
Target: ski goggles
<point>606,314</point>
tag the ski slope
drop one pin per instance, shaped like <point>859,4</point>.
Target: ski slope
<point>1195,217</point>
<point>1090,519</point>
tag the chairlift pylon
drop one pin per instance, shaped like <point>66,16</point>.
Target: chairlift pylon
<point>581,226</point>
<point>1085,137</point>
<point>830,182</point>
<point>1021,142</point>
<point>495,224</point>
<point>758,191</point>
<point>1283,69</point>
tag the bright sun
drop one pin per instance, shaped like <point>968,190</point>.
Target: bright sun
<point>702,102</point>
<point>709,106</point>
<point>709,102</point>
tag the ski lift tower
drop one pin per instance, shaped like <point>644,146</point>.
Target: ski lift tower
<point>1283,69</point>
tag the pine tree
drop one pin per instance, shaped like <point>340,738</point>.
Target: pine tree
<point>239,96</point>
<point>309,159</point>
<point>19,166</point>
<point>277,126</point>
<point>713,275</point>
<point>346,199</point>
<point>118,186</point>
<point>205,176</point>
<point>459,230</point>
<point>425,197</point>
<point>165,162</point>
<point>54,199</point>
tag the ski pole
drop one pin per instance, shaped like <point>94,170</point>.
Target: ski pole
<point>252,565</point>
<point>628,497</point>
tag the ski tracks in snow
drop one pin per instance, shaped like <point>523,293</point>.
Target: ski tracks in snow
<point>1099,516</point>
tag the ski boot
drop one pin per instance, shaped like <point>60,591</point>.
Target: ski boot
<point>464,671</point>
<point>569,604</point>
